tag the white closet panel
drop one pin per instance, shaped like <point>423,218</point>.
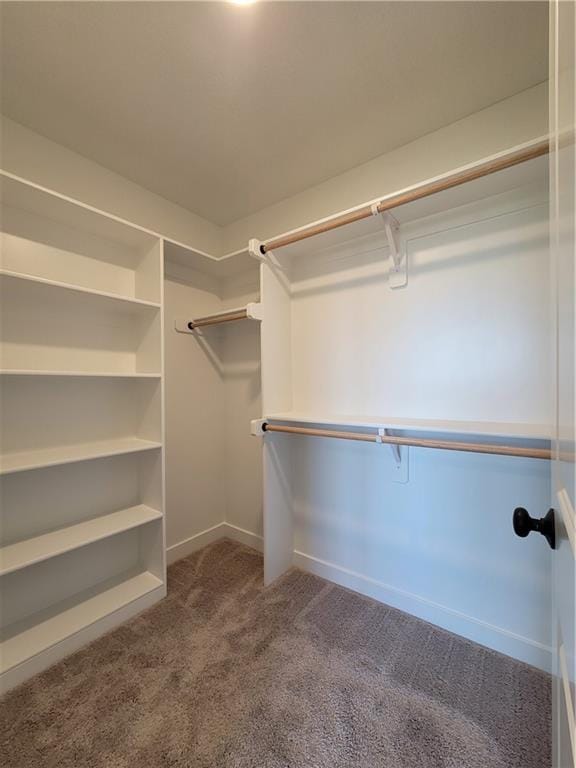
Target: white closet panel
<point>81,447</point>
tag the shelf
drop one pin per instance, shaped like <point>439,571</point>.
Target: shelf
<point>81,381</point>
<point>433,426</point>
<point>22,194</point>
<point>30,637</point>
<point>69,454</point>
<point>89,374</point>
<point>222,267</point>
<point>41,288</point>
<point>30,551</point>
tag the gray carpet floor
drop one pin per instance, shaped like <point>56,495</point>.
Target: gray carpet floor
<point>226,674</point>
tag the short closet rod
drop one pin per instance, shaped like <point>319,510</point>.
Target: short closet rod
<point>416,193</point>
<point>221,317</point>
<point>446,445</point>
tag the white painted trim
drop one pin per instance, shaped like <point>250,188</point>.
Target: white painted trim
<point>563,665</point>
<point>222,530</point>
<point>480,632</point>
<point>243,536</point>
<point>74,642</point>
<point>188,546</point>
<point>568,516</point>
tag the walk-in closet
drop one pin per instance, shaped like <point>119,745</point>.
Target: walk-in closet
<point>287,384</point>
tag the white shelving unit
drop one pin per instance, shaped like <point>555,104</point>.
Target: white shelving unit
<point>81,453</point>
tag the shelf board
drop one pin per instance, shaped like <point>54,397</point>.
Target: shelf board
<point>46,203</point>
<point>22,554</point>
<point>77,374</point>
<point>435,426</point>
<point>68,454</point>
<point>229,265</point>
<point>27,638</point>
<point>44,287</point>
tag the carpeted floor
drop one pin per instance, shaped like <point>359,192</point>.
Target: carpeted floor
<point>225,674</point>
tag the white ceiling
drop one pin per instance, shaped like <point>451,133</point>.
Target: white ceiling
<point>226,109</point>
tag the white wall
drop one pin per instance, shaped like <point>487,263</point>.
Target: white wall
<point>440,546</point>
<point>512,121</point>
<point>213,465</point>
<point>194,396</point>
<point>467,339</point>
<point>35,158</point>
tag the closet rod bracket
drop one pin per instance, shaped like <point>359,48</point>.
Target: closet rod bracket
<point>257,427</point>
<point>383,432</point>
<point>256,250</point>
<point>398,275</point>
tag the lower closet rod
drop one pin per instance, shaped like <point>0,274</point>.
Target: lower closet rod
<point>417,442</point>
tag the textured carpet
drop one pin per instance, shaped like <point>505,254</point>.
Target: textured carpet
<point>225,674</point>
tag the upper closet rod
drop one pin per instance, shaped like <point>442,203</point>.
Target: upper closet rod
<point>217,319</point>
<point>417,442</point>
<point>416,193</point>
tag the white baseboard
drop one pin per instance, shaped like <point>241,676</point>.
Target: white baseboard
<point>199,540</point>
<point>488,635</point>
<point>244,537</point>
<point>501,640</point>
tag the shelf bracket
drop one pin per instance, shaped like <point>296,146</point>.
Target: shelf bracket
<point>268,257</point>
<point>398,275</point>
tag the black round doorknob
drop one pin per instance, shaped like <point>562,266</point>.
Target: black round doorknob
<point>524,524</point>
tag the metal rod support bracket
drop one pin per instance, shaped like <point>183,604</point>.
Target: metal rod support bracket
<point>398,276</point>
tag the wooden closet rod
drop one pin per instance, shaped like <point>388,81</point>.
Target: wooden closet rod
<point>417,442</point>
<point>221,317</point>
<point>417,193</point>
